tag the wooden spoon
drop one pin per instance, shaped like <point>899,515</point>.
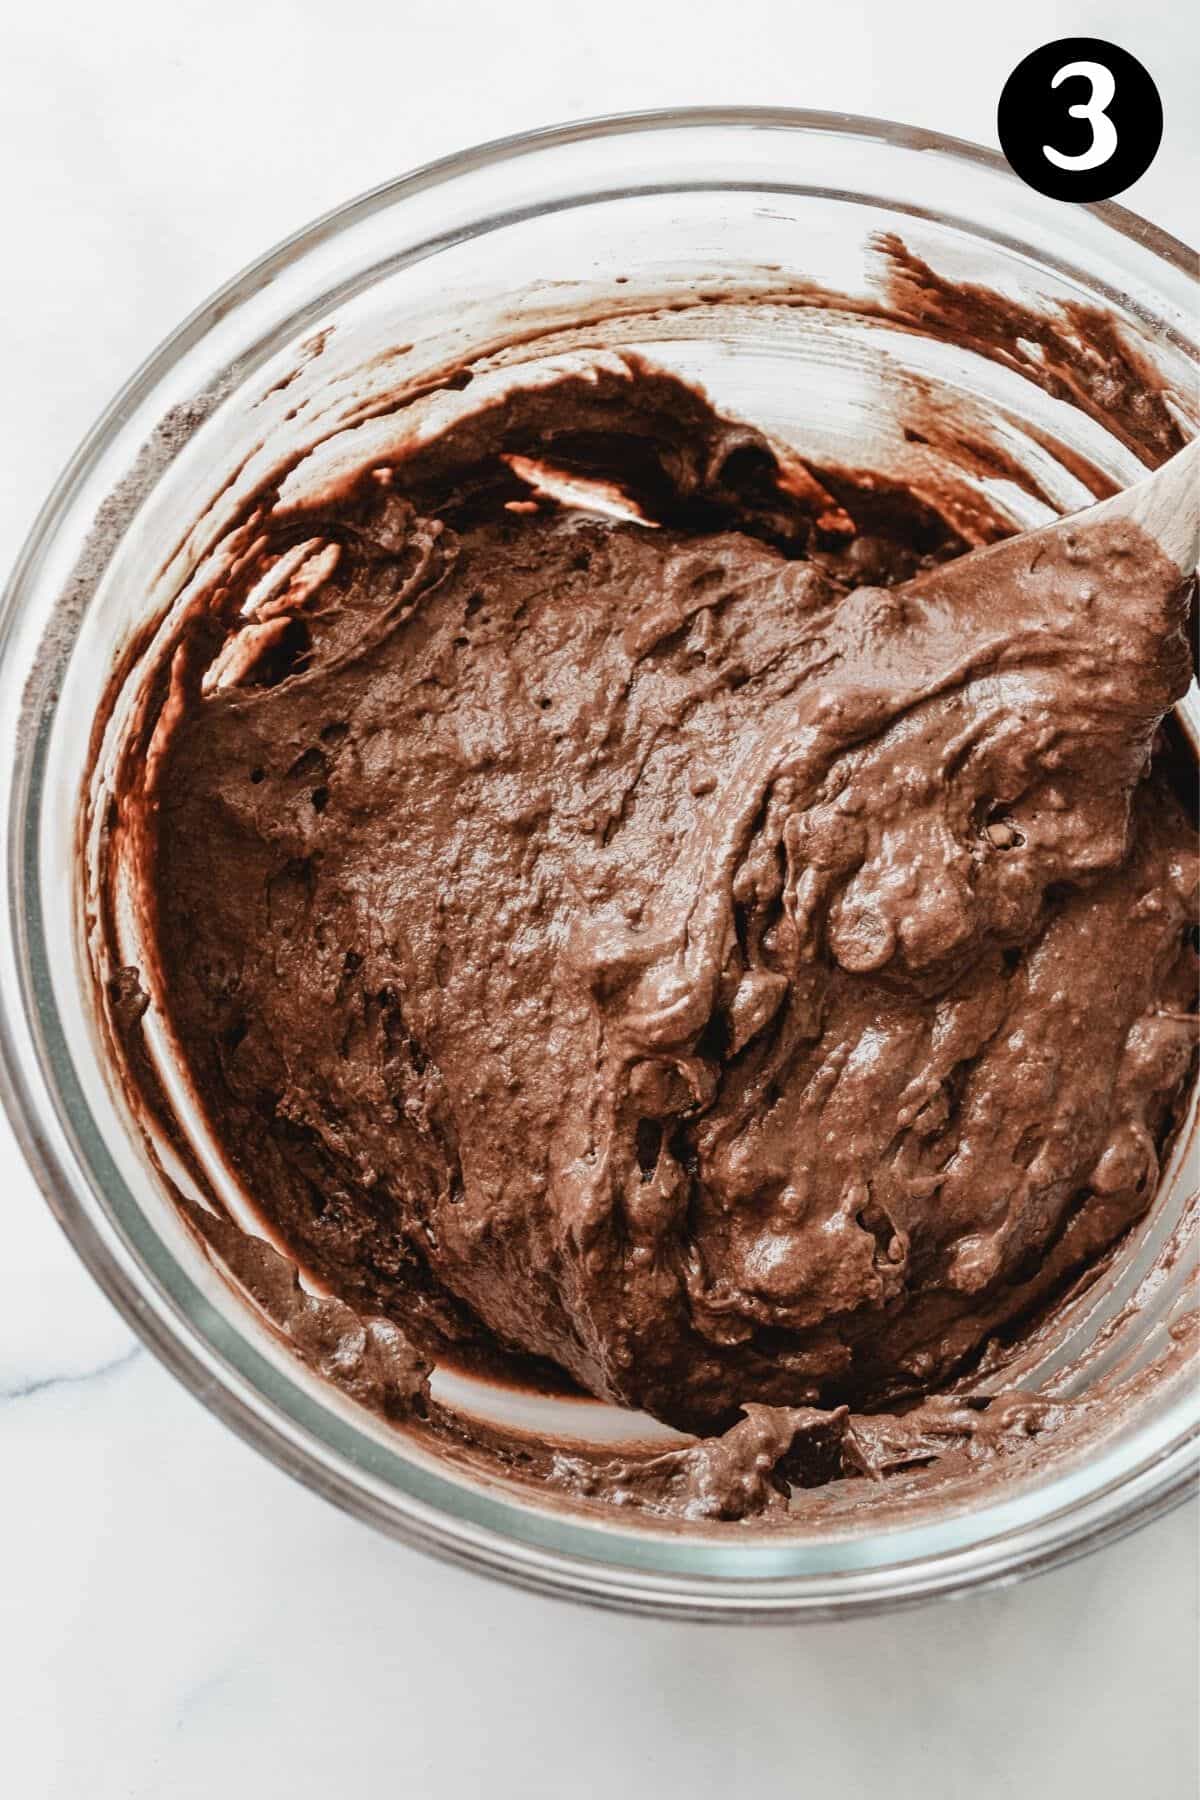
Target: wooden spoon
<point>1165,505</point>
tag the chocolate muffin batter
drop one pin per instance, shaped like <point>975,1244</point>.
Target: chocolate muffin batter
<point>632,900</point>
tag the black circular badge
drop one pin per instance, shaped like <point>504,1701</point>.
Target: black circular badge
<point>1080,119</point>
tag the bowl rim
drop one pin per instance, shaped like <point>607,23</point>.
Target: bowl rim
<point>1107,1513</point>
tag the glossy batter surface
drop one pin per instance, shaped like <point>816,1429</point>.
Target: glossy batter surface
<point>628,901</point>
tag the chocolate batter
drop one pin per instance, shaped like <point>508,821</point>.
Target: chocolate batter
<point>629,899</point>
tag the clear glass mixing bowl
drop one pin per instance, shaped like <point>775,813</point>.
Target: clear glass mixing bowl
<point>503,255</point>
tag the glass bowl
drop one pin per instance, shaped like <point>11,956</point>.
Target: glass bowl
<point>712,241</point>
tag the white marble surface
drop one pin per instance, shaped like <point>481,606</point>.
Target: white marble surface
<point>176,1617</point>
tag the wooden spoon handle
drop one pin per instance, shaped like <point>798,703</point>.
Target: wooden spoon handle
<point>1166,505</point>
